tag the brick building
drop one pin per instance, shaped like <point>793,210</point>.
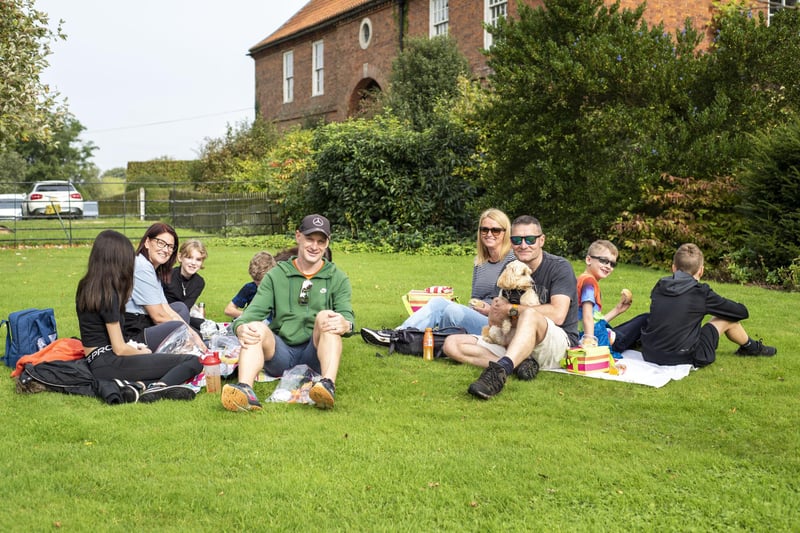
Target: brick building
<point>320,63</point>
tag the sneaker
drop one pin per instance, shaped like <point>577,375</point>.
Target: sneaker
<point>491,382</point>
<point>323,393</point>
<point>527,369</point>
<point>377,337</point>
<point>159,391</point>
<point>239,397</point>
<point>754,347</point>
<point>128,392</point>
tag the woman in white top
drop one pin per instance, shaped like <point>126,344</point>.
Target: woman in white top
<point>149,318</point>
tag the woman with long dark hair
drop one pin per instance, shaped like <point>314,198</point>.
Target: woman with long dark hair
<point>100,303</point>
<point>149,318</point>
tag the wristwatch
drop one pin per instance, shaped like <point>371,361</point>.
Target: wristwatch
<point>514,311</point>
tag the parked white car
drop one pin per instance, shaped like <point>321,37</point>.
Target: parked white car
<point>49,198</point>
<point>11,206</point>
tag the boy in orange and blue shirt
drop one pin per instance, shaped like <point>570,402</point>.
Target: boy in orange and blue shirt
<point>601,259</point>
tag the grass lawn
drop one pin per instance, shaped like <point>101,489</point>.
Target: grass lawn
<point>406,448</point>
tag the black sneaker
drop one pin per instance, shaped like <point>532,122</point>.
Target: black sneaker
<point>491,382</point>
<point>158,391</point>
<point>239,397</point>
<point>377,337</point>
<point>323,393</point>
<point>527,369</point>
<point>756,348</point>
<point>128,392</point>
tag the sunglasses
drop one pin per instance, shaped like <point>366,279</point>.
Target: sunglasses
<point>494,231</point>
<point>304,290</point>
<point>604,261</point>
<point>161,244</point>
<point>516,240</point>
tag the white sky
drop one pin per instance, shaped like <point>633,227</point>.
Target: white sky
<point>153,78</point>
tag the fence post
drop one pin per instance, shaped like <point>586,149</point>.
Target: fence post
<point>141,203</point>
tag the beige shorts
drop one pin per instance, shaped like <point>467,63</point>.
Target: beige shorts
<point>547,353</point>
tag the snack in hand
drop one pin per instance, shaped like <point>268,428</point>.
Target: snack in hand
<point>476,303</point>
<point>626,296</point>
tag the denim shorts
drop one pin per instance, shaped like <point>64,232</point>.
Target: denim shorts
<point>286,357</point>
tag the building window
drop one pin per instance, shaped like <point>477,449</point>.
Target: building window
<point>494,11</point>
<point>318,65</point>
<point>288,77</point>
<point>777,5</point>
<point>365,33</point>
<point>439,17</point>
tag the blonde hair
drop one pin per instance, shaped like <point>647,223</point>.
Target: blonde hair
<point>688,258</point>
<point>502,219</point>
<point>599,245</point>
<point>193,245</point>
<point>260,264</point>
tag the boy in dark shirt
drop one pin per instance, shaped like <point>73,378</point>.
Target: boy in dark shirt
<point>678,303</point>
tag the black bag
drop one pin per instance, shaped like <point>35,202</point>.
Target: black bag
<point>70,377</point>
<point>409,341</point>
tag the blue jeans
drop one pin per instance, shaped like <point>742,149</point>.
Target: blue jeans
<point>442,313</point>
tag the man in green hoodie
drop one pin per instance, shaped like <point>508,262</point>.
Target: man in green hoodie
<point>310,303</point>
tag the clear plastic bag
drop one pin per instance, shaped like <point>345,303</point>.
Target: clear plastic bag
<point>294,385</point>
<point>228,347</point>
<point>181,340</point>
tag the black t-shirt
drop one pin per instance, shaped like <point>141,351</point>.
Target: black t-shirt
<point>93,325</point>
<point>184,290</point>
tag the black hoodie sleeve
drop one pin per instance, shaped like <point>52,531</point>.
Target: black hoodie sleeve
<point>724,308</point>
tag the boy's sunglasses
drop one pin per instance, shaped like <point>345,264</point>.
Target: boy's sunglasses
<point>304,290</point>
<point>516,240</point>
<point>604,261</point>
<point>495,231</point>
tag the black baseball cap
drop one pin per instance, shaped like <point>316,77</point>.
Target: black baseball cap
<point>315,224</point>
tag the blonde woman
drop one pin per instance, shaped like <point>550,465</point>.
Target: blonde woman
<point>493,254</point>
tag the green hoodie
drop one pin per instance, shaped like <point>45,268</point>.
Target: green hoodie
<point>278,296</point>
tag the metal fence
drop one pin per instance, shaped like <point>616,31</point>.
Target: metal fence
<point>192,212</point>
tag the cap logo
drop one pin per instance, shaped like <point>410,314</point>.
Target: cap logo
<point>317,221</point>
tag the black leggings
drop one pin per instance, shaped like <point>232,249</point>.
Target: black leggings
<point>169,368</point>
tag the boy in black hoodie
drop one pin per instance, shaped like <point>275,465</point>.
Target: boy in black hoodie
<point>678,303</point>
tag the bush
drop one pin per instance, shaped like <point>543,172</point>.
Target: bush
<point>366,171</point>
<point>771,196</point>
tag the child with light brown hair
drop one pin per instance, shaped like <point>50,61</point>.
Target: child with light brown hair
<point>673,334</point>
<point>260,264</point>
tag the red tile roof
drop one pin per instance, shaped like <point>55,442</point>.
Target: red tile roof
<point>310,15</point>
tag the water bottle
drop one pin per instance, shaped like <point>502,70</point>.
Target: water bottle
<point>211,369</point>
<point>427,345</point>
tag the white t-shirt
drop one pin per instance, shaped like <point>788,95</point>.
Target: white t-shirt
<point>147,290</point>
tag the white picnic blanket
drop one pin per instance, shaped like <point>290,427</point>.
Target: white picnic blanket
<point>639,371</point>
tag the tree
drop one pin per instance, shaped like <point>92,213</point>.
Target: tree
<point>220,159</point>
<point>27,106</point>
<point>62,157</point>
<point>589,106</point>
<point>771,196</point>
<point>425,72</point>
<point>12,171</point>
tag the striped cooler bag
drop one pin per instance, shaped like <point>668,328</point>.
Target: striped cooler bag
<point>414,299</point>
<point>588,360</point>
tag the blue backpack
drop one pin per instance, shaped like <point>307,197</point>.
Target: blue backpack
<point>28,332</point>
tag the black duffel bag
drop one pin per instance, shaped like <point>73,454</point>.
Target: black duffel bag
<point>408,341</point>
